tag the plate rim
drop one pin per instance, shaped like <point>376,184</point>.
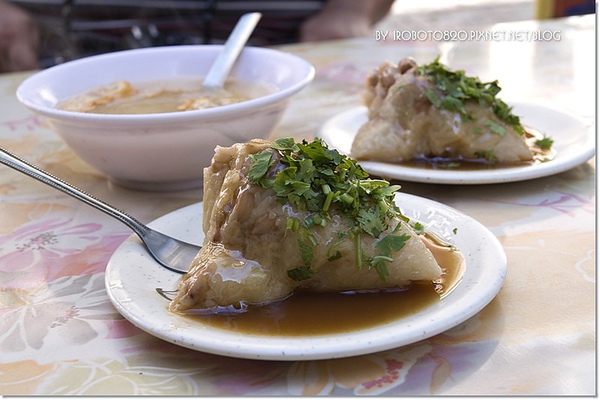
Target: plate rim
<point>179,330</point>
<point>503,175</point>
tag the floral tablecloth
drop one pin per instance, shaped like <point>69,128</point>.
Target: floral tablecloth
<point>59,333</point>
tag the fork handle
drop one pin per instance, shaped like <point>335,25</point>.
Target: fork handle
<point>13,161</point>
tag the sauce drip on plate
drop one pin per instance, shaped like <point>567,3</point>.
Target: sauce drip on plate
<point>462,164</point>
<point>310,313</point>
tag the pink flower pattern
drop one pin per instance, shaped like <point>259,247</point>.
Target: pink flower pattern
<point>563,202</point>
<point>46,250</point>
<point>30,123</point>
<point>67,312</point>
<point>61,263</point>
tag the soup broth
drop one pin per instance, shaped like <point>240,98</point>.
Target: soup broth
<point>163,96</point>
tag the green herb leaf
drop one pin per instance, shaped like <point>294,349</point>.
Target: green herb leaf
<point>545,143</point>
<point>418,228</point>
<point>454,88</point>
<point>495,127</point>
<point>486,155</point>
<point>391,244</point>
<point>300,273</point>
<point>313,178</point>
<point>262,163</point>
<point>380,264</point>
<point>433,97</point>
<point>285,144</point>
<point>387,246</point>
<point>370,221</point>
<point>335,256</point>
<point>306,252</point>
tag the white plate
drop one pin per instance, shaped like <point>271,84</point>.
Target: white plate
<point>574,142</point>
<point>132,277</point>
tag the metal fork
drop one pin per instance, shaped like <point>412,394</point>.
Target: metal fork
<point>171,253</point>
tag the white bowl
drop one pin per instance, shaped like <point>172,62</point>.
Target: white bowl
<point>165,151</point>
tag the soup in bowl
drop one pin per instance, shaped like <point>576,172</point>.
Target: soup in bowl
<point>144,144</point>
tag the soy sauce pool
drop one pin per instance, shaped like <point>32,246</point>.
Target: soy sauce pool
<point>309,313</point>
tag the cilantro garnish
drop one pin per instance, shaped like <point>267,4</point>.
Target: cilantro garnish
<point>486,154</point>
<point>418,228</point>
<point>371,222</point>
<point>313,178</point>
<point>387,246</point>
<point>300,273</point>
<point>545,143</point>
<point>454,88</point>
<point>495,127</point>
<point>262,162</point>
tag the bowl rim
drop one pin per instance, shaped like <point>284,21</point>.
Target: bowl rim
<point>176,116</point>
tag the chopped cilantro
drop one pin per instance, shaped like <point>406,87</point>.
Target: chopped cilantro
<point>317,180</point>
<point>371,222</point>
<point>495,127</point>
<point>379,264</point>
<point>306,252</point>
<point>455,88</point>
<point>335,256</point>
<point>391,244</point>
<point>433,97</point>
<point>545,143</point>
<point>486,154</point>
<point>262,162</point>
<point>300,273</point>
<point>387,246</point>
<point>418,228</point>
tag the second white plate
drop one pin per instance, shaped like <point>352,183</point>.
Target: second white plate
<point>574,142</point>
<point>132,277</point>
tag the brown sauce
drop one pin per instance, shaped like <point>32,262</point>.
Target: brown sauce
<point>464,164</point>
<point>310,313</point>
<point>452,262</point>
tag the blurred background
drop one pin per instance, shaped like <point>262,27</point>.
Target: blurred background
<point>76,28</point>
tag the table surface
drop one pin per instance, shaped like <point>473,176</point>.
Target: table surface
<point>59,333</point>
